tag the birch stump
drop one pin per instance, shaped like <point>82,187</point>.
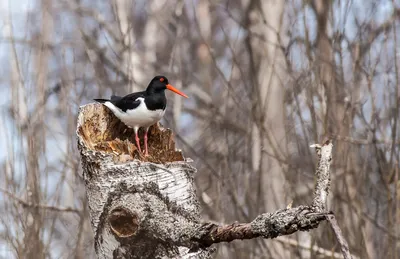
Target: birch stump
<point>147,207</point>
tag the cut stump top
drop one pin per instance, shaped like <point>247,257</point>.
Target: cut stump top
<point>100,130</point>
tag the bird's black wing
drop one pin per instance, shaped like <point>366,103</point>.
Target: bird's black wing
<point>127,102</point>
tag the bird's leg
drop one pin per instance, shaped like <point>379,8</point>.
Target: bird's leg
<point>137,141</point>
<point>146,152</point>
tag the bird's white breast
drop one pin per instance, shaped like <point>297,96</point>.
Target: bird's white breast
<point>138,117</point>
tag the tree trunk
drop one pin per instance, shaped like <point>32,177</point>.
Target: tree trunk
<point>268,131</point>
<point>146,204</point>
<point>146,207</point>
<point>132,61</point>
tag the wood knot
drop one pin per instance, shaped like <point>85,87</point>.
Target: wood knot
<point>123,222</point>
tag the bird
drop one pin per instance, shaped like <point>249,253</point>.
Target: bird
<point>142,109</point>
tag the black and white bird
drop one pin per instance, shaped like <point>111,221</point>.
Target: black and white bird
<point>142,109</point>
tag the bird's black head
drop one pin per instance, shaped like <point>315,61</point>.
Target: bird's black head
<point>159,84</point>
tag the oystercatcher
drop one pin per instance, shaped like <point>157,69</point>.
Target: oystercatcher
<point>142,109</point>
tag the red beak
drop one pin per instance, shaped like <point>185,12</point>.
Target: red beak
<point>173,89</point>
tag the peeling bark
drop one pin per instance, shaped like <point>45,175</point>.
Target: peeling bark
<point>147,207</point>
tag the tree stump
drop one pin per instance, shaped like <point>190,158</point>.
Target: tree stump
<point>147,207</point>
<point>139,207</point>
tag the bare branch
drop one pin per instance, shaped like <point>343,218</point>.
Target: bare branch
<point>39,206</point>
<point>268,225</point>
<point>339,236</point>
<point>321,191</point>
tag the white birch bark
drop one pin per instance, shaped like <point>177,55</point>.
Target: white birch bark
<point>158,200</point>
<point>143,209</point>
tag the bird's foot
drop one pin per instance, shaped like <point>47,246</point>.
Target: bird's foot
<point>141,155</point>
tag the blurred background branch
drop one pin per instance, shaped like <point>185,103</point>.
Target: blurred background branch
<point>260,74</point>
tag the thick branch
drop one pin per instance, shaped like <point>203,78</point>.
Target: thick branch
<point>267,225</point>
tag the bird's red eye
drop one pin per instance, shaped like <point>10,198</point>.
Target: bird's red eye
<point>161,79</point>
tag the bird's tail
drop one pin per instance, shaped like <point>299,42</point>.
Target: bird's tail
<point>101,100</point>
<point>115,98</point>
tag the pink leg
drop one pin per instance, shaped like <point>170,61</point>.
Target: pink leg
<point>137,141</point>
<point>146,152</point>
